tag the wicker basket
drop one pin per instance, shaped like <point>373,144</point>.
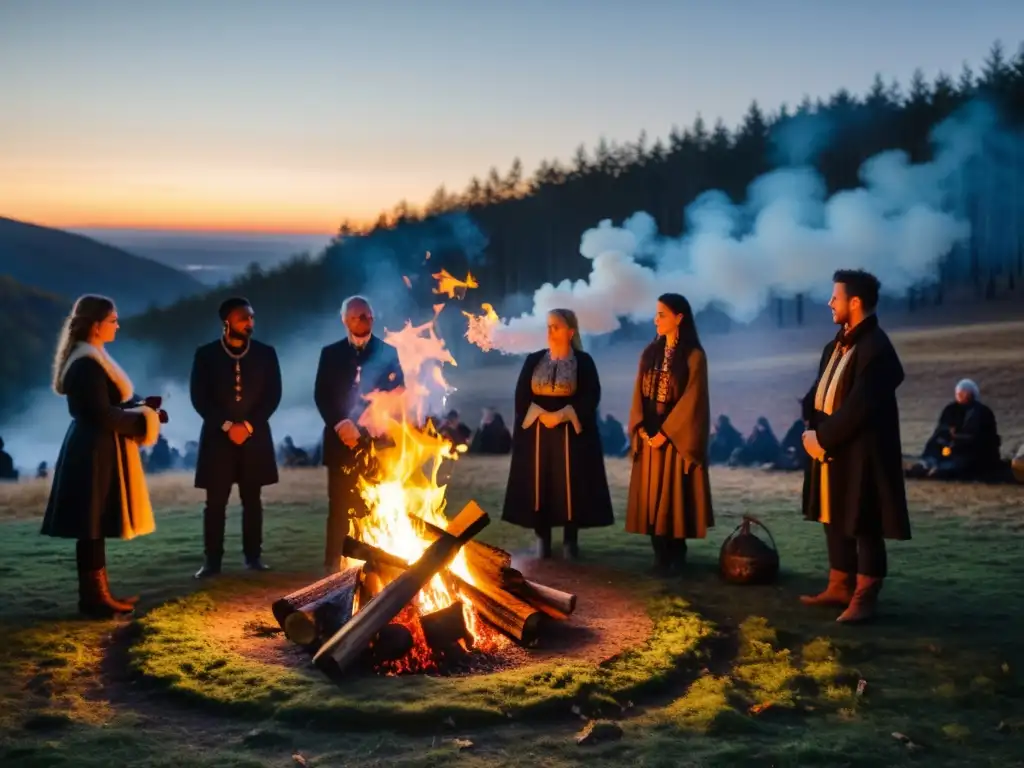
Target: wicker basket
<point>746,558</point>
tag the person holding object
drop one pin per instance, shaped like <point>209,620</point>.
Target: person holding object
<point>235,387</point>
<point>557,475</point>
<point>349,369</point>
<point>669,431</point>
<point>854,485</point>
<point>99,487</point>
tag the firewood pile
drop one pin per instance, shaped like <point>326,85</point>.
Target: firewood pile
<point>369,615</point>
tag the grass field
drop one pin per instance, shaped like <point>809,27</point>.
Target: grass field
<point>730,676</point>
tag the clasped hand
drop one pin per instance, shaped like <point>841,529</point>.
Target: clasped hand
<point>812,446</point>
<point>655,442</point>
<point>238,434</point>
<point>348,433</point>
<point>552,419</point>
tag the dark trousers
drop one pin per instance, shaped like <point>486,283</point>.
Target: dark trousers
<point>343,503</point>
<point>864,555</point>
<point>215,517</point>
<point>667,550</point>
<point>91,554</point>
<point>570,534</point>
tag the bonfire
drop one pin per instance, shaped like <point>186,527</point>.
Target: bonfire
<point>418,593</point>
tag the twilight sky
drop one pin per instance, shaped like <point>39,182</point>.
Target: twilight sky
<point>253,115</point>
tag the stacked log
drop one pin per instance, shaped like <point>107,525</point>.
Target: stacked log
<point>366,611</point>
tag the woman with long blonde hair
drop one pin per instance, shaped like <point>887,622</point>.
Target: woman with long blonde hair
<point>557,475</point>
<point>99,489</point>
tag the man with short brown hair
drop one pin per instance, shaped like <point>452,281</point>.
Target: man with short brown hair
<point>854,485</point>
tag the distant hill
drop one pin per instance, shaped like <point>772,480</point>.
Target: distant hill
<point>68,265</point>
<point>30,320</point>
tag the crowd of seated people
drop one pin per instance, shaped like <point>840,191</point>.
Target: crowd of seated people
<point>761,448</point>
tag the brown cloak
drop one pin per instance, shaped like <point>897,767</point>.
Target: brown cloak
<point>669,488</point>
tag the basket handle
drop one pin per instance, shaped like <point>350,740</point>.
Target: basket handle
<point>748,519</point>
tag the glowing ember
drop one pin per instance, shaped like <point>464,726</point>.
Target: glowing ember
<point>404,489</point>
<point>452,287</point>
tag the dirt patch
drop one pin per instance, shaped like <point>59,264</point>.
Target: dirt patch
<point>607,621</point>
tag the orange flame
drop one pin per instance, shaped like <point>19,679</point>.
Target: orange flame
<point>404,485</point>
<point>451,286</point>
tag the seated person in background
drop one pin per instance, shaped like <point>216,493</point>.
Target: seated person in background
<point>493,437</point>
<point>613,436</point>
<point>725,439</point>
<point>792,455</point>
<point>965,443</point>
<point>291,455</point>
<point>159,456</point>
<point>760,448</point>
<point>454,430</point>
<point>7,470</point>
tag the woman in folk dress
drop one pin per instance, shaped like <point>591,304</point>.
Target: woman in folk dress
<point>669,430</point>
<point>99,489</point>
<point>557,475</point>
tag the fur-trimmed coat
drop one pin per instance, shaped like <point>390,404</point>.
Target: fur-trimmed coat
<point>99,488</point>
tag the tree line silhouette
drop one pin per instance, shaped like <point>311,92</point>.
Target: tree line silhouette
<point>516,232</point>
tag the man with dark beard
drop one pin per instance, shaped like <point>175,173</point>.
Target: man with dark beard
<point>349,369</point>
<point>235,387</point>
<point>854,485</point>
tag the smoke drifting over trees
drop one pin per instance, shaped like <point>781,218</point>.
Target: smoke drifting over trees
<point>924,186</point>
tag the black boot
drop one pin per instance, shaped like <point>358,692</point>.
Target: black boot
<point>255,564</point>
<point>544,543</point>
<point>570,543</point>
<point>211,567</point>
<point>677,552</point>
<point>662,555</point>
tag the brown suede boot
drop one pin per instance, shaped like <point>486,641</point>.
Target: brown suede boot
<point>839,591</point>
<point>124,604</point>
<point>94,598</point>
<point>865,600</point>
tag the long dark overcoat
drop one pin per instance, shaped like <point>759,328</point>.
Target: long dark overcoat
<point>212,388</point>
<point>861,439</point>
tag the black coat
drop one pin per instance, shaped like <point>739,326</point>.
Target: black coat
<point>861,440</point>
<point>99,489</point>
<point>970,432</point>
<point>585,500</point>
<point>212,387</point>
<point>343,376</point>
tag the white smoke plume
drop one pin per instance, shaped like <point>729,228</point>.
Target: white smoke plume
<point>786,239</point>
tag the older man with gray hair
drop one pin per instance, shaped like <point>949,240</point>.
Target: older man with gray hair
<point>965,443</point>
<point>348,370</point>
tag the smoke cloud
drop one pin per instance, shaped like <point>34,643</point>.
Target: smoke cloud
<point>787,238</point>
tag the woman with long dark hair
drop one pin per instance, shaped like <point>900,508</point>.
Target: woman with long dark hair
<point>557,475</point>
<point>669,430</point>
<point>99,489</point>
